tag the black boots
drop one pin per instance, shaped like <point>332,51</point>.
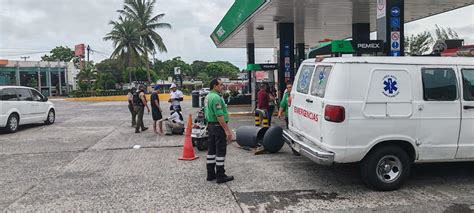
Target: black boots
<point>221,176</point>
<point>217,172</point>
<point>224,178</point>
<point>211,172</point>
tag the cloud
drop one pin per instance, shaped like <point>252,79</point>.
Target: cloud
<point>27,26</point>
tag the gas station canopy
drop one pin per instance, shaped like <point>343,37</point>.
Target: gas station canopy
<point>255,21</point>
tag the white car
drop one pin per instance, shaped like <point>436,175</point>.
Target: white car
<point>23,105</point>
<point>204,91</point>
<point>384,112</point>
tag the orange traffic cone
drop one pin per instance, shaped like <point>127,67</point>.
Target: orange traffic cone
<point>188,150</point>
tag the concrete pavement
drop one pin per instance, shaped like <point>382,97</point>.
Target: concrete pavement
<point>85,161</point>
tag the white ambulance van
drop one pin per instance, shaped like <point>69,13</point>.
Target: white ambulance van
<point>384,112</point>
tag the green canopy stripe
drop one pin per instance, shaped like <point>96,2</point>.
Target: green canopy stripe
<point>237,14</point>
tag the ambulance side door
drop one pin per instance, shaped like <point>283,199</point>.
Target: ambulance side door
<point>466,137</point>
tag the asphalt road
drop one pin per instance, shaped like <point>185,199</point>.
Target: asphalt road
<point>85,161</point>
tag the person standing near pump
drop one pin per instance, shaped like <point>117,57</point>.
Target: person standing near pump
<point>215,111</point>
<point>284,103</point>
<point>176,96</point>
<point>130,105</point>
<point>156,111</point>
<point>139,102</point>
<point>271,104</point>
<point>263,100</point>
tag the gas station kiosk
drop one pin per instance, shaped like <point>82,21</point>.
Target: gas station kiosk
<point>262,74</point>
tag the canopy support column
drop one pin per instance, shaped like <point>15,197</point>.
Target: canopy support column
<point>286,56</point>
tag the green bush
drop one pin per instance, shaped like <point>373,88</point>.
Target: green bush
<point>81,94</point>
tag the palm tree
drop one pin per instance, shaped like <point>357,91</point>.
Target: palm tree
<point>88,75</point>
<point>141,11</point>
<point>127,42</point>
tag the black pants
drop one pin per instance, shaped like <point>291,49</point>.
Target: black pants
<point>217,147</point>
<point>271,109</point>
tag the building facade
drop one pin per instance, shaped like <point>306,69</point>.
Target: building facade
<point>50,78</point>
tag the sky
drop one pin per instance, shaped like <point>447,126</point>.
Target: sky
<point>32,28</point>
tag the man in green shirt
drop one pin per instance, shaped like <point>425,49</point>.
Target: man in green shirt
<point>215,111</point>
<point>284,103</point>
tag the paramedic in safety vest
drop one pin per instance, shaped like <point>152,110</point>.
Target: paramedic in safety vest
<point>284,104</point>
<point>215,111</point>
<point>176,96</point>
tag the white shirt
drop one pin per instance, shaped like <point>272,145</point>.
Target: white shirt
<point>176,94</point>
<point>175,117</point>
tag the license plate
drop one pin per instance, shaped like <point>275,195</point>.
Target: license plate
<point>196,131</point>
<point>296,147</point>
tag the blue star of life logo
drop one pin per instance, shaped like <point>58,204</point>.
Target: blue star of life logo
<point>390,86</point>
<point>321,78</point>
<point>304,80</point>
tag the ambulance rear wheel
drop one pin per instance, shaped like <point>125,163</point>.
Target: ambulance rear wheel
<point>386,168</point>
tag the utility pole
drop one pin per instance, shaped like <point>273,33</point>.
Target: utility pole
<point>24,57</point>
<point>88,53</point>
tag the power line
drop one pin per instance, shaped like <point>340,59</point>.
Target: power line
<point>25,53</point>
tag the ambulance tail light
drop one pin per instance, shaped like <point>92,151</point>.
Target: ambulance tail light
<point>289,100</point>
<point>334,113</point>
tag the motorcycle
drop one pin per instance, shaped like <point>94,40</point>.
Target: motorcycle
<point>199,132</point>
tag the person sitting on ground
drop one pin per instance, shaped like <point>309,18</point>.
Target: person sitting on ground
<point>174,123</point>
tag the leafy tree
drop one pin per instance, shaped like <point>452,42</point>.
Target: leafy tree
<point>126,38</point>
<point>423,43</point>
<point>113,67</point>
<point>198,67</point>
<point>140,73</point>
<point>418,44</point>
<point>85,77</point>
<point>222,69</point>
<point>141,12</point>
<point>169,65</point>
<point>59,53</point>
<point>105,80</point>
<point>444,33</point>
<point>204,77</point>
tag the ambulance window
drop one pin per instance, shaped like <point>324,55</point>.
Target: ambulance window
<point>320,79</point>
<point>439,84</point>
<point>304,79</point>
<point>468,84</point>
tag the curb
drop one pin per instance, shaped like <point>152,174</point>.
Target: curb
<point>240,113</point>
<point>163,97</point>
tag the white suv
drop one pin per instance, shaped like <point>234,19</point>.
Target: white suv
<point>23,105</point>
<point>384,112</point>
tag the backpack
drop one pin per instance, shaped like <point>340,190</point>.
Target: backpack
<point>136,98</point>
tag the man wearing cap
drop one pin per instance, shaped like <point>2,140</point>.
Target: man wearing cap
<point>156,108</point>
<point>176,96</point>
<point>215,111</point>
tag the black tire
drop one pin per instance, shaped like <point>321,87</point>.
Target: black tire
<point>396,164</point>
<point>51,117</point>
<point>194,140</point>
<point>295,152</point>
<point>13,123</point>
<point>201,144</point>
